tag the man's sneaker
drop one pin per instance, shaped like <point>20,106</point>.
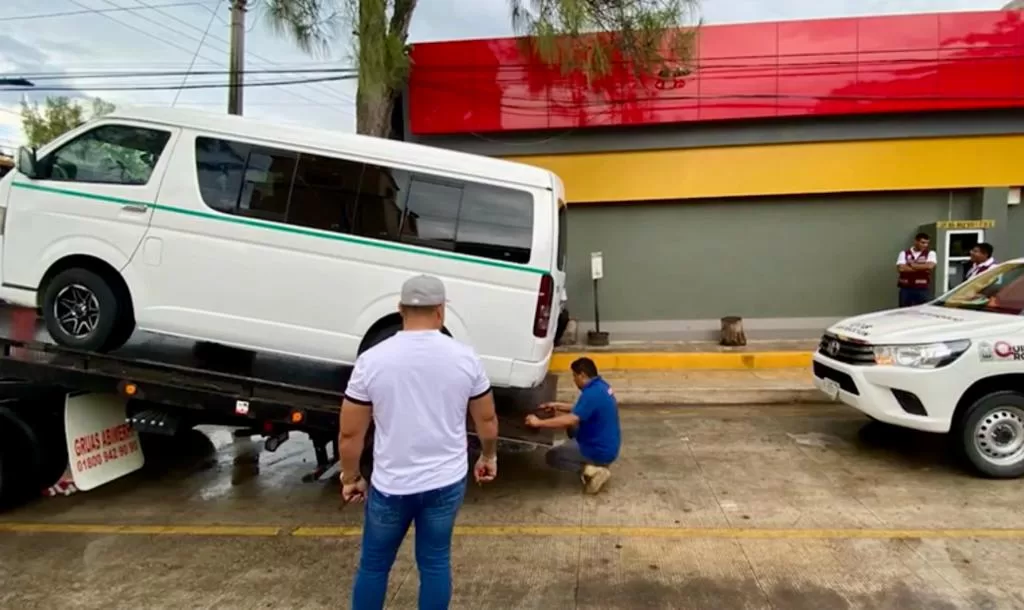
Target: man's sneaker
<point>594,478</point>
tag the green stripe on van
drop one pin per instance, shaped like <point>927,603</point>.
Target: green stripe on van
<point>352,239</point>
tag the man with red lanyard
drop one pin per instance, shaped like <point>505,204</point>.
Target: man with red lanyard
<point>981,256</point>
<point>915,265</point>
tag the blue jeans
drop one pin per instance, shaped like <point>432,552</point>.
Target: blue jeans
<point>387,519</point>
<point>909,297</point>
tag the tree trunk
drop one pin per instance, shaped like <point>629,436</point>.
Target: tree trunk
<point>732,331</point>
<point>383,64</point>
<point>373,112</point>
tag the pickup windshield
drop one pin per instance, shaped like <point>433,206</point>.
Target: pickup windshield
<point>998,290</point>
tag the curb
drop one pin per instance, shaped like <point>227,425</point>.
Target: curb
<point>674,361</point>
<point>690,397</point>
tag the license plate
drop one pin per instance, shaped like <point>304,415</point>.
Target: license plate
<point>830,388</point>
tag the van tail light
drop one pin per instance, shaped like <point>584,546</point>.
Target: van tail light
<point>545,297</point>
<point>3,220</point>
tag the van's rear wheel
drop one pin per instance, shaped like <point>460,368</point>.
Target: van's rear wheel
<point>992,435</point>
<point>82,311</point>
<point>379,336</point>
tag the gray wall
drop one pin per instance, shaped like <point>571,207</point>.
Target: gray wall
<point>1013,246</point>
<point>733,133</point>
<point>786,257</point>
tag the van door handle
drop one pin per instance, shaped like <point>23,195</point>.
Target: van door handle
<point>135,208</point>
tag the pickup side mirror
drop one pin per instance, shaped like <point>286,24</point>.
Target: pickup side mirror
<point>27,163</point>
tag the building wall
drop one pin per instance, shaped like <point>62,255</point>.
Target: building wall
<point>676,268</point>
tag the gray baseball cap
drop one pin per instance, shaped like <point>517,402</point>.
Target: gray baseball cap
<point>423,291</point>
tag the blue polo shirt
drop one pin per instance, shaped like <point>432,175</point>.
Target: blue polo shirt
<point>598,436</point>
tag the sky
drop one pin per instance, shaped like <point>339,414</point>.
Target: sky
<point>169,35</point>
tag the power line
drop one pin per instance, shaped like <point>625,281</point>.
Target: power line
<point>151,74</point>
<point>302,81</point>
<point>199,47</point>
<point>254,55</point>
<point>175,45</point>
<point>86,12</point>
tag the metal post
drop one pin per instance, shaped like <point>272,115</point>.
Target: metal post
<point>597,310</point>
<point>237,61</point>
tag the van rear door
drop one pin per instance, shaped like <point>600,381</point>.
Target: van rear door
<point>94,196</point>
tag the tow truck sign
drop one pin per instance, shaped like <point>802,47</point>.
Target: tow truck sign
<point>101,446</point>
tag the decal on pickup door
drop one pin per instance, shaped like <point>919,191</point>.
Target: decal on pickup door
<point>999,351</point>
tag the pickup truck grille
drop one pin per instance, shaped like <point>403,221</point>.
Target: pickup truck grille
<point>849,352</point>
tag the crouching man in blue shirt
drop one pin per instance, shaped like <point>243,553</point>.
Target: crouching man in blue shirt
<point>592,424</point>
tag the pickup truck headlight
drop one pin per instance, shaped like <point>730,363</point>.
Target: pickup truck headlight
<point>922,356</point>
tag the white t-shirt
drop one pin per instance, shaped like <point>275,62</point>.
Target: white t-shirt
<point>419,384</point>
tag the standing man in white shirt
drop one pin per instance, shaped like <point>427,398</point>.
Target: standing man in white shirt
<point>981,256</point>
<point>416,387</point>
<point>916,265</point>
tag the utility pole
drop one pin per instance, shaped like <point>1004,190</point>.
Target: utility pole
<point>237,56</point>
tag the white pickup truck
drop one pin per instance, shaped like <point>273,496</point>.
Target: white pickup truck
<point>953,365</point>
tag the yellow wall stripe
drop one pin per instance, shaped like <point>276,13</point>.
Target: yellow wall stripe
<point>786,169</point>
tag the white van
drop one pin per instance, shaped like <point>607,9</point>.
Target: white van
<point>953,365</point>
<point>279,239</point>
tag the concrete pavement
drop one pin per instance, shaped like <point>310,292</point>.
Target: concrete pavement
<point>802,507</point>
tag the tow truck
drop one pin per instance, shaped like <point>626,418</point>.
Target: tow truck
<point>85,415</point>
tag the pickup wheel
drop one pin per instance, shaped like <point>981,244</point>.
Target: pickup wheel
<point>992,435</point>
<point>81,310</point>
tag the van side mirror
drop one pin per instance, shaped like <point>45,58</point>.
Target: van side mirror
<point>27,163</point>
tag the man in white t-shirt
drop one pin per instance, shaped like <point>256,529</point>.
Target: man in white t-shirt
<point>416,387</point>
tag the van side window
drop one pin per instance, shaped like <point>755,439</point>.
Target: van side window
<point>324,193</point>
<point>109,154</point>
<point>381,194</point>
<point>221,165</point>
<point>495,222</point>
<point>245,179</point>
<point>267,183</point>
<point>432,212</point>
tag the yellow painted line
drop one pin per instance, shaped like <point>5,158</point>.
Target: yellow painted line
<point>661,361</point>
<point>152,530</point>
<point>543,531</point>
<point>550,531</point>
<point>327,532</point>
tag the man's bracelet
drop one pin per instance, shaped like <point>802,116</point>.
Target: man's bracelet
<point>357,478</point>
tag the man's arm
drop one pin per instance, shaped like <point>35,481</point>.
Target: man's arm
<point>356,414</point>
<point>559,422</point>
<point>485,421</point>
<point>355,421</point>
<point>481,409</point>
<point>929,263</point>
<point>559,407</point>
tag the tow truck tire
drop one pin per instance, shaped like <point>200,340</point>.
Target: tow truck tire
<point>75,283</point>
<point>992,435</point>
<point>18,470</point>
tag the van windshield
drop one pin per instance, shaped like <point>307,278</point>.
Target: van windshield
<point>998,290</point>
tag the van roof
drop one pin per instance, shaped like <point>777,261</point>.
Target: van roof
<point>340,141</point>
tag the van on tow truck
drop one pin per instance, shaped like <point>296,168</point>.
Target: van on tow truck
<point>954,365</point>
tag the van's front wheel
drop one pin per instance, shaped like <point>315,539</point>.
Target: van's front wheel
<point>81,310</point>
<point>992,435</point>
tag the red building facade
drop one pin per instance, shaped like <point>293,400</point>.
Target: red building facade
<point>866,65</point>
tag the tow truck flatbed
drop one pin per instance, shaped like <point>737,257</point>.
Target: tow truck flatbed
<point>191,383</point>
